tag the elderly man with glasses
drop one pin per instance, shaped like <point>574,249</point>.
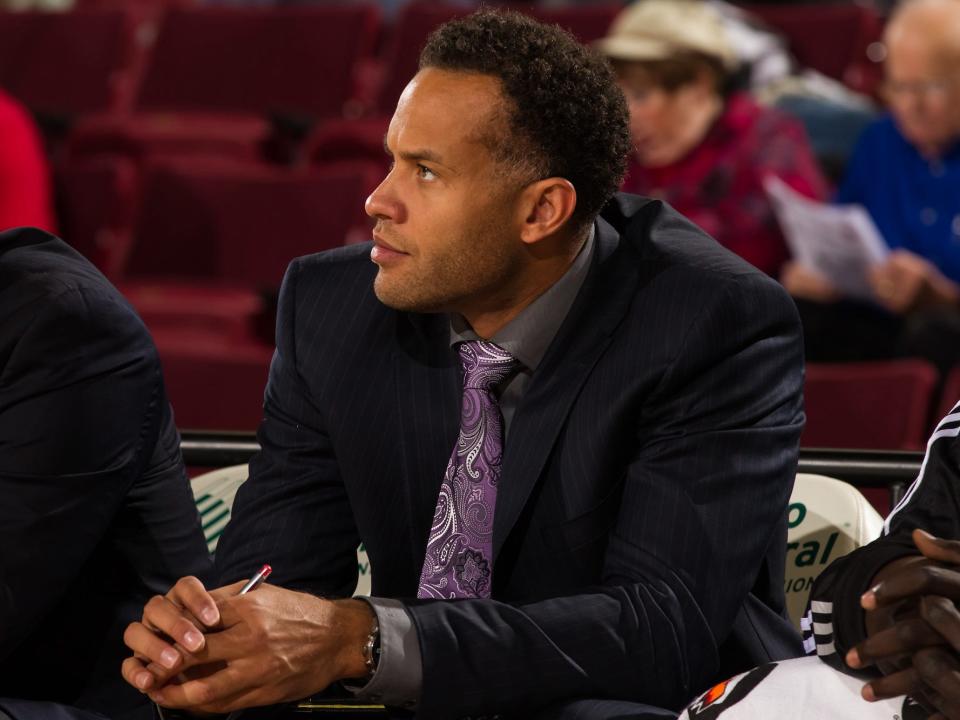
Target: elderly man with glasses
<point>906,172</point>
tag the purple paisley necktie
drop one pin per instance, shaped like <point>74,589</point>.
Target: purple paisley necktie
<point>459,559</point>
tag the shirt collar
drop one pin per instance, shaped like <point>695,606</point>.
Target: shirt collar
<point>530,333</point>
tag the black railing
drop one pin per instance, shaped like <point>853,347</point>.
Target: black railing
<point>893,470</point>
<point>217,449</point>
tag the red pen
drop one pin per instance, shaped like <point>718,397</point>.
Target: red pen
<point>255,582</point>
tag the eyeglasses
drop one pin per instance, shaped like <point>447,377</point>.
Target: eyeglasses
<point>636,93</point>
<point>921,89</point>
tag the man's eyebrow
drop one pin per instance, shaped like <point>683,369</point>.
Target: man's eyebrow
<point>423,154</point>
<point>413,155</point>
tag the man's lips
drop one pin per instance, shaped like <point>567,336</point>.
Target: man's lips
<point>383,251</point>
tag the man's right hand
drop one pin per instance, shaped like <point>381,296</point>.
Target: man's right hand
<point>171,632</point>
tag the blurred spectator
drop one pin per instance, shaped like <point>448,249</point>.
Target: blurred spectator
<point>699,146</point>
<point>24,177</point>
<point>906,172</point>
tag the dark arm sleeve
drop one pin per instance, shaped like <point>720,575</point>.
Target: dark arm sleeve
<point>294,506</point>
<point>834,621</point>
<point>704,500</point>
<point>158,530</point>
<point>80,399</point>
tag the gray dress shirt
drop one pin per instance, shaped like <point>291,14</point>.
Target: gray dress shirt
<point>399,675</point>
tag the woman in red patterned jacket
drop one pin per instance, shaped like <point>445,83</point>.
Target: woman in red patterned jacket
<point>697,146</point>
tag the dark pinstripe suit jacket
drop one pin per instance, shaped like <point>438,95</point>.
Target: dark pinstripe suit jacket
<point>640,526</point>
<point>96,513</point>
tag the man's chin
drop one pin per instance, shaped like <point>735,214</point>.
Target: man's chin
<point>400,296</point>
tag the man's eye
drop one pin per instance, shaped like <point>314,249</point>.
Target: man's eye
<point>425,173</point>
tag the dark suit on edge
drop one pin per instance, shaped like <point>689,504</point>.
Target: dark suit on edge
<point>96,513</point>
<point>640,523</point>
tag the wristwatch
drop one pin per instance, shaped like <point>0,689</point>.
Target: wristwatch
<point>371,649</point>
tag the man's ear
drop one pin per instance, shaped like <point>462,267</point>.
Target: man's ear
<point>547,206</point>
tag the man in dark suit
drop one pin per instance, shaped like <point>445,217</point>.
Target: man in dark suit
<point>96,512</point>
<point>623,546</point>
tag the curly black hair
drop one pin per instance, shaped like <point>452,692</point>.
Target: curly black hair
<point>567,116</point>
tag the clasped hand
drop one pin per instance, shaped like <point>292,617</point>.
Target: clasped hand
<point>902,283</point>
<point>217,651</point>
<point>913,628</point>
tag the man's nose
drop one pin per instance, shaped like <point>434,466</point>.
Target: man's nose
<point>383,203</point>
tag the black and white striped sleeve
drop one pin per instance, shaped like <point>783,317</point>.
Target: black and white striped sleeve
<point>834,620</point>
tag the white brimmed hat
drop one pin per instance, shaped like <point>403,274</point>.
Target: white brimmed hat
<point>661,29</point>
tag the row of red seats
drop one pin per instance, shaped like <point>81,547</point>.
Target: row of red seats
<point>890,405</point>
<point>118,87</point>
<point>130,91</point>
<point>114,79</point>
<point>209,244</point>
<point>875,405</point>
<point>878,405</point>
<point>135,86</point>
<point>203,243</point>
<point>112,75</point>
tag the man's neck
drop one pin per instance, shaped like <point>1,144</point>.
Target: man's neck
<point>488,320</point>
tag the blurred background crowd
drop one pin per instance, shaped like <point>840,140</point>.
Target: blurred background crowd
<point>192,148</point>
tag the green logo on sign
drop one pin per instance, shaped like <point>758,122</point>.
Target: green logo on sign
<point>796,512</point>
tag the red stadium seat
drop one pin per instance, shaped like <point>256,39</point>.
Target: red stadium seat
<point>218,76</point>
<point>263,61</point>
<point>212,386</point>
<point>213,239</point>
<point>349,140</point>
<point>66,64</point>
<point>230,313</point>
<point>587,23</point>
<point>950,395</point>
<point>415,22</point>
<point>362,139</point>
<point>876,405</point>
<point>145,137</point>
<point>419,18</point>
<point>243,223</point>
<point>871,406</point>
<point>15,32</point>
<point>830,37</point>
<point>95,203</point>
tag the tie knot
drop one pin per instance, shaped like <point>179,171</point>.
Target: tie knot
<point>485,365</point>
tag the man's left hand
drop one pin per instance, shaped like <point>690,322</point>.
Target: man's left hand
<point>276,645</point>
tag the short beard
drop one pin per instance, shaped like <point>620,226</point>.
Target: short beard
<point>467,269</point>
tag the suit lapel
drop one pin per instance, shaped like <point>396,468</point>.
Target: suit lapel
<point>581,340</point>
<point>428,396</point>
